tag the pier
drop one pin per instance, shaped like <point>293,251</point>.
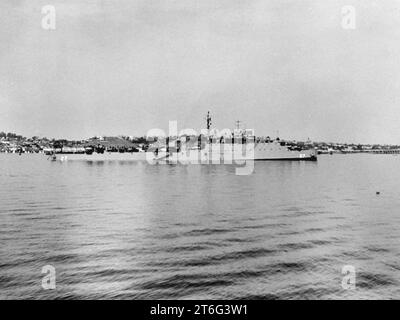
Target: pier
<point>386,151</point>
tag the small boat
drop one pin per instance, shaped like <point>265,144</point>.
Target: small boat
<point>52,157</point>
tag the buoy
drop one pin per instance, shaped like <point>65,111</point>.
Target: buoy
<point>378,192</point>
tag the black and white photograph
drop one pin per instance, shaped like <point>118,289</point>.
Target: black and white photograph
<point>201,150</point>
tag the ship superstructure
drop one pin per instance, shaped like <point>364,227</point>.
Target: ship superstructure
<point>228,146</point>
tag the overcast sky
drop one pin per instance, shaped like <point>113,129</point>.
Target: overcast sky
<point>126,66</point>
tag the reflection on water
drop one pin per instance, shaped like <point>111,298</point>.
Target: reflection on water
<point>134,230</point>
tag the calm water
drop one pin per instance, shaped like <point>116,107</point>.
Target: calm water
<point>138,231</point>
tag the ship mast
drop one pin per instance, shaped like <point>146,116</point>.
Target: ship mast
<point>208,118</point>
<point>238,122</point>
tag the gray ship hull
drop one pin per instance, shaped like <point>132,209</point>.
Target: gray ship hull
<point>211,153</point>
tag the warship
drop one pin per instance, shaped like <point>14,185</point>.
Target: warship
<point>210,147</point>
